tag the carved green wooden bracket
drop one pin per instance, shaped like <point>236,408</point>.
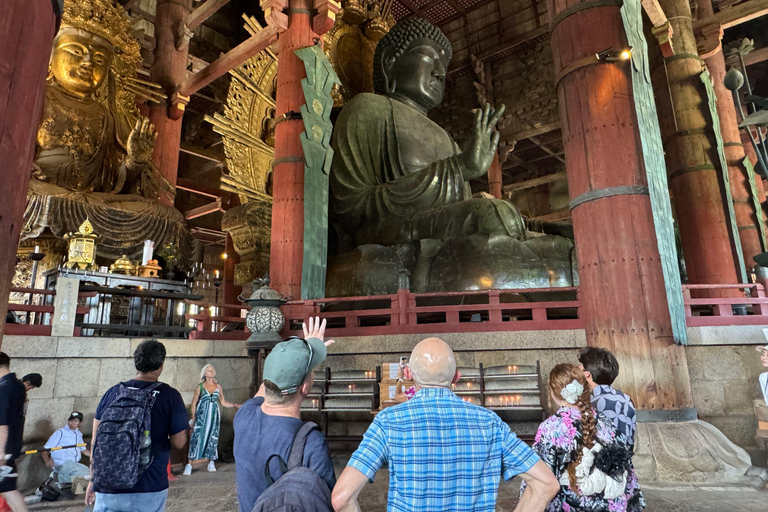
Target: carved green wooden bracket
<point>655,167</point>
<point>725,179</point>
<point>316,142</point>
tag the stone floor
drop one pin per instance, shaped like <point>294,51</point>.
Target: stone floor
<point>216,492</point>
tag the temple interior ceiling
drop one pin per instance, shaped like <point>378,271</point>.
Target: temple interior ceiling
<point>501,55</point>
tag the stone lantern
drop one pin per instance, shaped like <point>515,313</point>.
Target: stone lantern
<point>264,320</point>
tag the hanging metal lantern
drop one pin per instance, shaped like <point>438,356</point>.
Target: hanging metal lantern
<point>264,320</point>
<point>82,248</point>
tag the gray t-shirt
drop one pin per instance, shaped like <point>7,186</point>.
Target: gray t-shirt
<point>258,436</point>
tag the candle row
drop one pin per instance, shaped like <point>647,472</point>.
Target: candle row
<point>512,370</point>
<point>505,401</point>
<point>369,375</point>
<point>351,388</point>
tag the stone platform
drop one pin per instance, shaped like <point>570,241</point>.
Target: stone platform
<point>217,492</point>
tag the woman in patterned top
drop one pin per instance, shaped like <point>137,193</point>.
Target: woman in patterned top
<point>585,452</point>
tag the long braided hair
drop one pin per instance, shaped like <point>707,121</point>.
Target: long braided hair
<point>560,376</point>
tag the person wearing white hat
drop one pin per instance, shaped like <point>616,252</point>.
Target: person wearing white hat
<point>764,376</point>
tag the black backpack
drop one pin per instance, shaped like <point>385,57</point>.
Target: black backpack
<point>300,489</point>
<point>117,447</point>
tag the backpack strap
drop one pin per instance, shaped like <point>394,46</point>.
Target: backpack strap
<point>296,457</point>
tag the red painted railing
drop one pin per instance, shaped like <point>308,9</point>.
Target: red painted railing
<point>210,326</point>
<point>41,326</point>
<point>718,311</point>
<point>419,313</point>
<point>422,313</point>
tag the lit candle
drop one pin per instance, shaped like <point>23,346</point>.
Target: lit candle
<point>509,369</point>
<point>217,274</point>
<point>350,388</point>
<point>469,385</point>
<point>518,399</point>
<point>37,249</point>
<point>514,370</point>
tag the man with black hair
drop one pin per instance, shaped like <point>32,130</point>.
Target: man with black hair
<point>12,396</point>
<point>265,425</point>
<point>32,381</point>
<point>601,368</point>
<point>168,429</point>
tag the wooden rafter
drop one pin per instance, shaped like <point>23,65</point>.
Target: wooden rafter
<point>200,152</point>
<point>543,146</point>
<point>229,60</point>
<point>203,12</point>
<point>511,157</point>
<point>735,15</point>
<point>196,188</point>
<point>550,178</point>
<point>206,209</point>
<point>503,47</point>
<point>756,56</point>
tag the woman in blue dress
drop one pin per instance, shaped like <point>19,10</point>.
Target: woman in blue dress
<point>206,420</point>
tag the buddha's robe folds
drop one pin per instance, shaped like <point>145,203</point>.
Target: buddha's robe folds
<point>397,177</point>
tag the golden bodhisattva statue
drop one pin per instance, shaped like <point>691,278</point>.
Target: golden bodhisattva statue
<point>94,148</point>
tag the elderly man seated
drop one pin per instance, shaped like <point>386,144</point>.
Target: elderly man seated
<point>66,462</point>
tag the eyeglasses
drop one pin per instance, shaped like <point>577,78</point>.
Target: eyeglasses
<point>306,371</point>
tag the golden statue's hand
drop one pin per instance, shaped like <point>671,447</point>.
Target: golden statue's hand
<point>141,142</point>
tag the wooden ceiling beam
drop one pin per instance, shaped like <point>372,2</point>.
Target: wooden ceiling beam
<point>201,152</point>
<point>735,15</point>
<point>544,148</point>
<point>203,12</point>
<point>533,132</point>
<point>230,60</point>
<point>523,163</point>
<point>550,178</point>
<point>756,56</point>
<point>206,209</point>
<point>195,188</point>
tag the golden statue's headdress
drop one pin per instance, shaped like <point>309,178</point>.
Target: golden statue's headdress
<point>106,20</point>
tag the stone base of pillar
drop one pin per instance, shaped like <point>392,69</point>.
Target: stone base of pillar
<point>693,452</point>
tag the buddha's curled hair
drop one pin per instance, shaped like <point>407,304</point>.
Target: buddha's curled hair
<point>398,39</point>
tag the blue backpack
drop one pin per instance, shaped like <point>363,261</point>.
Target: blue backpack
<point>300,489</point>
<point>117,451</point>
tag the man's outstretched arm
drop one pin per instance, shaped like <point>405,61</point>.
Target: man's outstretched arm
<point>542,487</point>
<point>351,482</point>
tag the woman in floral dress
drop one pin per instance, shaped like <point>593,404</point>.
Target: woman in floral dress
<point>206,420</point>
<point>585,452</point>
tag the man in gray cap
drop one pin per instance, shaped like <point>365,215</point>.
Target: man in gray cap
<point>266,424</point>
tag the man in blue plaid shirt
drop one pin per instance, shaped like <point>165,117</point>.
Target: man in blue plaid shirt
<point>443,454</point>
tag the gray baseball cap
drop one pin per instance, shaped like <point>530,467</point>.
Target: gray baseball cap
<point>291,361</point>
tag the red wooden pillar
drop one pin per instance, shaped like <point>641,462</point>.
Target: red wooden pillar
<point>691,154</point>
<point>27,28</point>
<point>495,177</point>
<point>624,302</point>
<point>169,70</point>
<point>229,289</point>
<point>743,204</point>
<point>287,244</point>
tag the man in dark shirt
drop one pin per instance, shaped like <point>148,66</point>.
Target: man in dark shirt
<point>265,425</point>
<point>169,429</point>
<point>12,396</point>
<point>601,368</point>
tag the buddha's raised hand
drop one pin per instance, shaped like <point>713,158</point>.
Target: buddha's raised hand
<point>478,154</point>
<point>141,142</point>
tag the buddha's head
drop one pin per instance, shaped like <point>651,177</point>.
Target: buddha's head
<point>411,61</point>
<point>80,61</point>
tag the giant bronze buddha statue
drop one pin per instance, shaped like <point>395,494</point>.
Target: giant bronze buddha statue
<point>400,196</point>
<point>93,154</point>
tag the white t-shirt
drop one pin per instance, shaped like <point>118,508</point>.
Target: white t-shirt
<point>65,436</point>
<point>764,386</point>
